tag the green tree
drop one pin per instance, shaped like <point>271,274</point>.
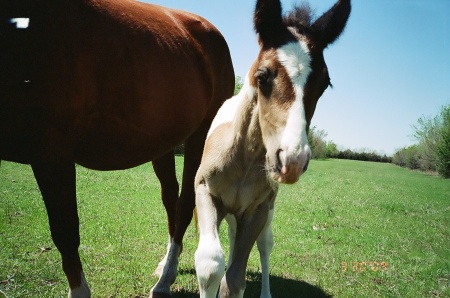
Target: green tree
<point>407,157</point>
<point>427,131</point>
<point>443,145</point>
<point>316,140</point>
<point>432,152</point>
<point>331,149</point>
<point>238,83</point>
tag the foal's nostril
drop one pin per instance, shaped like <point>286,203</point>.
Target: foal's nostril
<point>306,166</point>
<point>279,162</point>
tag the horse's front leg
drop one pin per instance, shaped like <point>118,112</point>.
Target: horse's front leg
<point>209,256</point>
<point>265,245</point>
<point>57,184</point>
<point>249,226</point>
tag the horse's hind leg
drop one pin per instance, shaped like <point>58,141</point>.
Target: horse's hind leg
<point>165,171</point>
<point>193,149</point>
<point>57,185</point>
<point>184,210</point>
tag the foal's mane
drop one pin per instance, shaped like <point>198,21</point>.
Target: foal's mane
<point>300,17</point>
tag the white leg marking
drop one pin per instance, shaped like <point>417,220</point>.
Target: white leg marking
<point>209,265</point>
<point>265,245</point>
<point>159,270</point>
<point>82,291</point>
<point>209,257</point>
<point>169,273</point>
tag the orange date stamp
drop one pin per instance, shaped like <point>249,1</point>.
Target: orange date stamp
<point>370,266</point>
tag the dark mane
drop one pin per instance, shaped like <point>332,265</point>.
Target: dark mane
<point>301,17</point>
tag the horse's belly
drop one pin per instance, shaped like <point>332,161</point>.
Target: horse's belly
<point>114,145</point>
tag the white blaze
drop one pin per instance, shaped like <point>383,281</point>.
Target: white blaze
<point>295,57</point>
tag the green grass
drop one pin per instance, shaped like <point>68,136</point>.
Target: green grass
<point>340,211</point>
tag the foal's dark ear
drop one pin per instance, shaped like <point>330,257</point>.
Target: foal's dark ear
<point>268,21</point>
<point>331,24</point>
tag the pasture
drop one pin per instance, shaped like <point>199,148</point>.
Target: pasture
<point>347,229</point>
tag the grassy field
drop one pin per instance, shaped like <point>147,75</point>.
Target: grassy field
<point>347,229</point>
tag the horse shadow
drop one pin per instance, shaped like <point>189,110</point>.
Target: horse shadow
<point>282,287</point>
<point>279,286</point>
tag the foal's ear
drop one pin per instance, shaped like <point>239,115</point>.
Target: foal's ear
<point>268,21</point>
<point>331,24</point>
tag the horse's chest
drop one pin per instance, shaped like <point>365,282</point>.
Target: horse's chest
<point>239,191</point>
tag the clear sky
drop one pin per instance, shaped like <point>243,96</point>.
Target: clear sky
<point>390,67</point>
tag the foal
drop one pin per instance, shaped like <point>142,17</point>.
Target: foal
<point>259,139</point>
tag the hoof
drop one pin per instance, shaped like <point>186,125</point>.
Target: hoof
<point>154,294</point>
<point>82,291</point>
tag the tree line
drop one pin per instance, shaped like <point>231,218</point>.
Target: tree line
<point>431,152</point>
<point>322,149</point>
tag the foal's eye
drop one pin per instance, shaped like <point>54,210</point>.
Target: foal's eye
<point>263,75</point>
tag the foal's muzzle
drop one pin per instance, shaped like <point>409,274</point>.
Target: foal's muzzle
<point>289,167</point>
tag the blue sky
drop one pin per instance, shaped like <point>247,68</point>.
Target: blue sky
<point>390,67</point>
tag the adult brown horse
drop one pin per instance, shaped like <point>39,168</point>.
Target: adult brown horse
<point>109,85</point>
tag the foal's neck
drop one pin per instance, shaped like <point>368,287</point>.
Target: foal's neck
<point>247,130</point>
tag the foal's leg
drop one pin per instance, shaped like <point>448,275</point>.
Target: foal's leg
<point>265,245</point>
<point>209,257</point>
<point>57,185</point>
<point>232,228</point>
<point>165,171</point>
<point>248,229</point>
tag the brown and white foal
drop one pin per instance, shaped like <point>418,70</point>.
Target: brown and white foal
<point>259,139</point>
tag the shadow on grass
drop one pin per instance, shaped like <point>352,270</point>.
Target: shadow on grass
<point>279,286</point>
<point>282,287</point>
<point>185,294</point>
